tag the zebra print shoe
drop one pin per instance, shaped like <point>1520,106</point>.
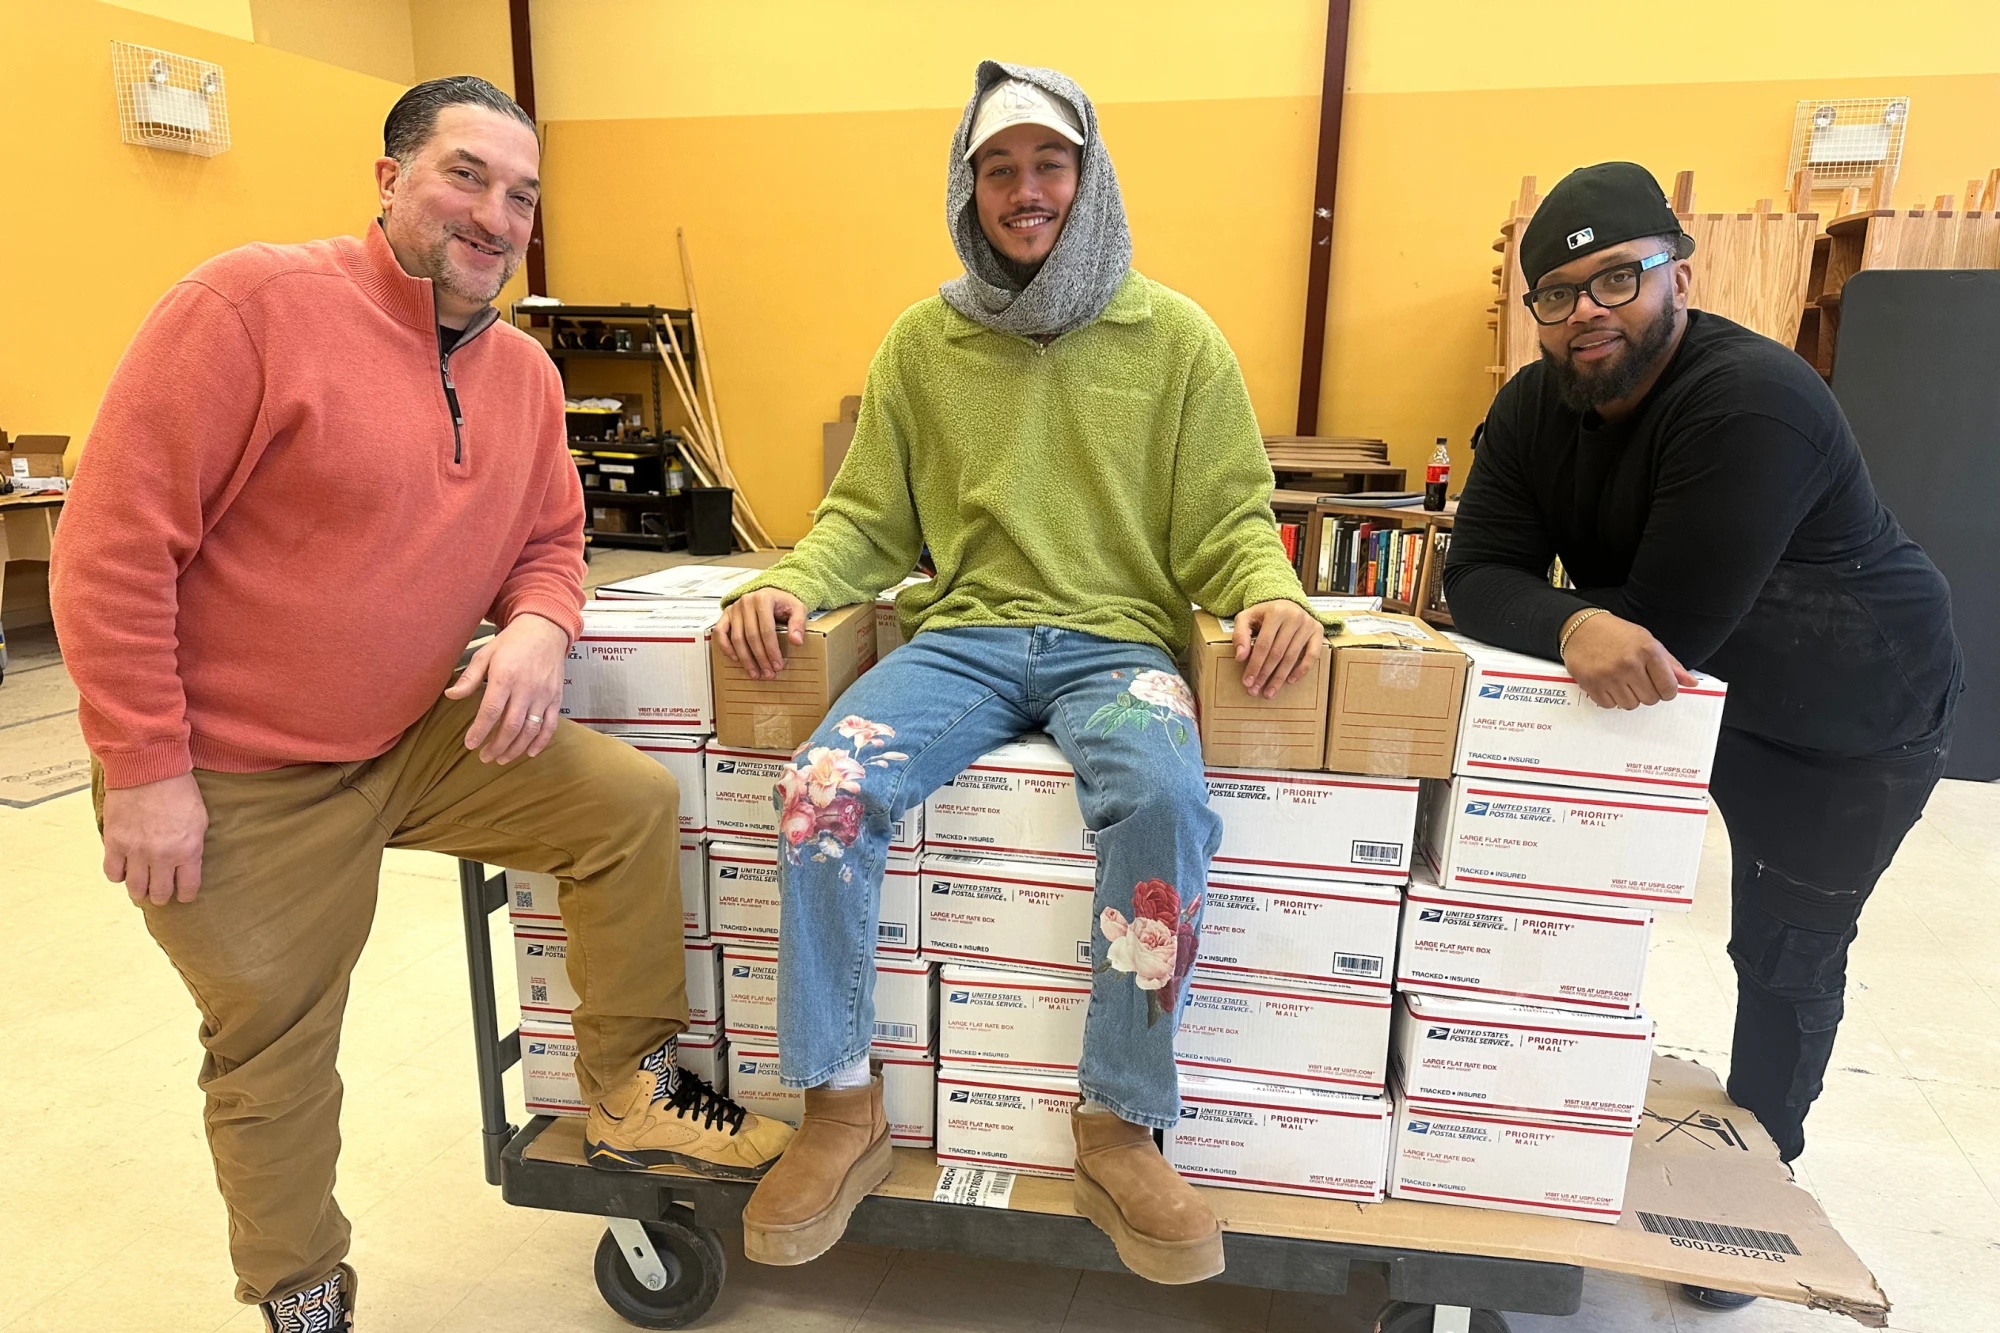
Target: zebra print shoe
<point>326,1307</point>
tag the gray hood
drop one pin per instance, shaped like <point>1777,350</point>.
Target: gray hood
<point>1090,258</point>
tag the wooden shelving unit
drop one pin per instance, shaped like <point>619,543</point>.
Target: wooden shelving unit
<point>1312,510</point>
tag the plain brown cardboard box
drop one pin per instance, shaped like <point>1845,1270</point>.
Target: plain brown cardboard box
<point>42,453</point>
<point>1242,730</point>
<point>782,714</point>
<point>836,436</point>
<point>1396,695</point>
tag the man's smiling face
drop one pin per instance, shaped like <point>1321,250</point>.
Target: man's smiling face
<point>1025,180</point>
<point>1601,355</point>
<point>460,211</point>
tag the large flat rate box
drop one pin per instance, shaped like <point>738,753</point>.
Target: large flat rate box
<point>1488,946</point>
<point>1528,719</point>
<point>782,713</point>
<point>1241,729</point>
<point>641,667</point>
<point>1706,1202</point>
<point>1564,844</point>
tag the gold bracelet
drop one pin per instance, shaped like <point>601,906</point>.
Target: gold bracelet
<point>1575,624</point>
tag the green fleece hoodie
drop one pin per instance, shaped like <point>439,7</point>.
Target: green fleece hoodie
<point>1100,483</point>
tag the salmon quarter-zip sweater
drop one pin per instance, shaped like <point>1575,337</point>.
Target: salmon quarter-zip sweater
<point>281,536</point>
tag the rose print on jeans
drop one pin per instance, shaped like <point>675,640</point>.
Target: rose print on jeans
<point>1157,946</point>
<point>1152,696</point>
<point>819,795</point>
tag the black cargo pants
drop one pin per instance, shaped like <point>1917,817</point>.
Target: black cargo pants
<point>1809,835</point>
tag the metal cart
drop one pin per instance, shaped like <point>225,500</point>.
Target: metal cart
<point>661,1263</point>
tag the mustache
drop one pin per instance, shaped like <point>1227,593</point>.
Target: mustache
<point>485,238</point>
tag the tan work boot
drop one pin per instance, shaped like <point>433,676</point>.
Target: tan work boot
<point>637,1128</point>
<point>1163,1230</point>
<point>841,1153</point>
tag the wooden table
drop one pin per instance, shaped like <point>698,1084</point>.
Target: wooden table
<point>27,533</point>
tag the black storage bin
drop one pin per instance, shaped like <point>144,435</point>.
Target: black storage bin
<point>711,511</point>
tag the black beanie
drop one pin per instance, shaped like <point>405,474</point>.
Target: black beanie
<point>1593,208</point>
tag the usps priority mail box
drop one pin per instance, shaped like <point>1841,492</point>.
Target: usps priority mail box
<point>1520,950</point>
<point>1314,825</point>
<point>1528,719</point>
<point>997,1019</point>
<point>1016,1121</point>
<point>1318,1037</point>
<point>1277,1139</point>
<point>1570,844</point>
<point>1003,912</point>
<point>1515,1163</point>
<point>1473,1055</point>
<point>1299,932</point>
<point>1018,800</point>
<point>642,666</point>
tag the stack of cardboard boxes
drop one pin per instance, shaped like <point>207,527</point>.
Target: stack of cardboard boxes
<point>1522,1053</point>
<point>1424,933</point>
<point>639,672</point>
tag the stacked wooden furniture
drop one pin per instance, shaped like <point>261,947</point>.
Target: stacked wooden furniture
<point>1753,267</point>
<point>1943,236</point>
<point>1332,463</point>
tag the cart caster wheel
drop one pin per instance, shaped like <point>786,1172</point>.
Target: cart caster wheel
<point>1404,1317</point>
<point>694,1262</point>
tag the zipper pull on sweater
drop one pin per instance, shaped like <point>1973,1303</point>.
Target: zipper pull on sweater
<point>457,417</point>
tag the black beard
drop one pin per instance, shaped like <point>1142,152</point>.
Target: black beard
<point>1582,392</point>
<point>1017,273</point>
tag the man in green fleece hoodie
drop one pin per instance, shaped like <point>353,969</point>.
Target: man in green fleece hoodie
<point>1075,446</point>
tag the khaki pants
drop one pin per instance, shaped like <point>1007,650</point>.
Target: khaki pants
<point>288,892</point>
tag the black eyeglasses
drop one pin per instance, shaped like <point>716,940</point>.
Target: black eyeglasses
<point>1609,287</point>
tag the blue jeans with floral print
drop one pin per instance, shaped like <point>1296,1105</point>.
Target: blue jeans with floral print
<point>1122,715</point>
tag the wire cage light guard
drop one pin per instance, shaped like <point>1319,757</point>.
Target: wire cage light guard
<point>1844,141</point>
<point>169,101</point>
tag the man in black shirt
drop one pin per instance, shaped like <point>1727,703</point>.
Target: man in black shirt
<point>1709,503</point>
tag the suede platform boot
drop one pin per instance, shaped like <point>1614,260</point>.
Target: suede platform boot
<point>841,1152</point>
<point>1163,1230</point>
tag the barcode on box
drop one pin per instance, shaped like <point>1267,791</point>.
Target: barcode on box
<point>1356,965</point>
<point>1090,840</point>
<point>1083,952</point>
<point>538,994</point>
<point>1378,853</point>
<point>896,1031</point>
<point>890,930</point>
<point>524,898</point>
<point>1717,1234</point>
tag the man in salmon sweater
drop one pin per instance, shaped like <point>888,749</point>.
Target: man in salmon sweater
<point>316,469</point>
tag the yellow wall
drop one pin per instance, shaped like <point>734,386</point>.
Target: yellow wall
<point>802,145</point>
<point>231,18</point>
<point>97,230</point>
<point>367,36</point>
<point>462,37</point>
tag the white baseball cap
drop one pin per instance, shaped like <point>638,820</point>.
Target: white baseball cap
<point>1014,102</point>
